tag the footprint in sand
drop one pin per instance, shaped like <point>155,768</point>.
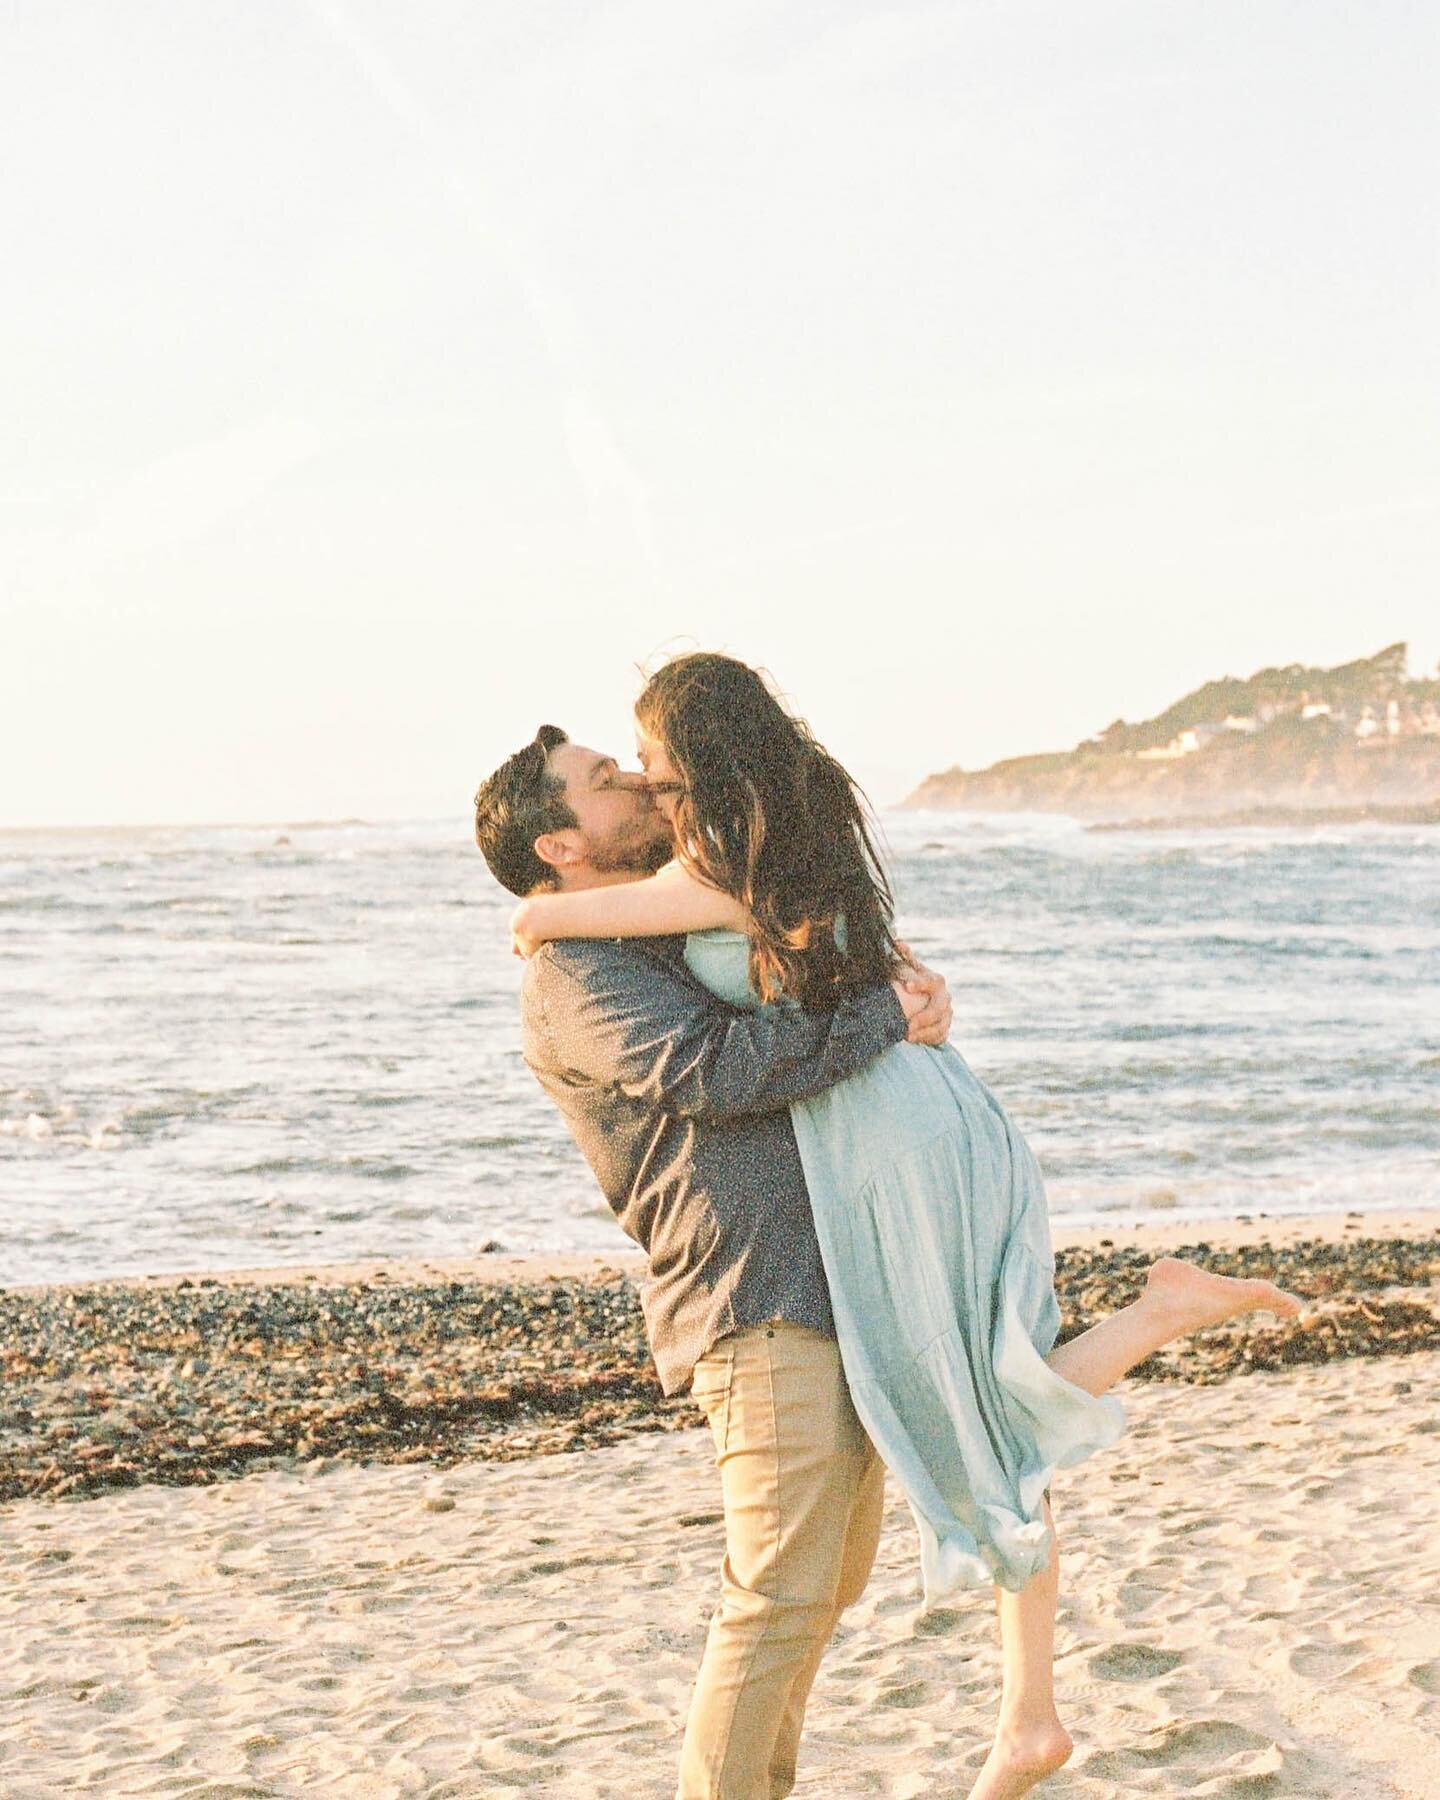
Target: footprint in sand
<point>891,1604</point>
<point>1318,1490</point>
<point>1270,1587</point>
<point>909,1693</point>
<point>1260,1775</point>
<point>1138,1594</point>
<point>940,1621</point>
<point>1133,1662</point>
<point>1204,1740</point>
<point>1426,1677</point>
<point>1199,1745</point>
<point>1327,1662</point>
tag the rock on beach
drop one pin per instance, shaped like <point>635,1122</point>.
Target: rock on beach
<point>182,1384</point>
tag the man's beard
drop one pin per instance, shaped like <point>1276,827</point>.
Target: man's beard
<point>638,849</point>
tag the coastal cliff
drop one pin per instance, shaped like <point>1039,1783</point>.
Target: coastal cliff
<point>1363,737</point>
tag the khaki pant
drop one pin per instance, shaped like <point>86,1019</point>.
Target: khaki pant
<point>803,1491</point>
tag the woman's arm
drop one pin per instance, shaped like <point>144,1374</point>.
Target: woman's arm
<point>662,905</point>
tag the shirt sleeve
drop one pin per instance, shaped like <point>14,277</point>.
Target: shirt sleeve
<point>636,1024</point>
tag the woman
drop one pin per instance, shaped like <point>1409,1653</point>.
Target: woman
<point>928,1204</point>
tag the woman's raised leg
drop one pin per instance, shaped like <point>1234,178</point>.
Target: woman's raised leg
<point>1179,1298</point>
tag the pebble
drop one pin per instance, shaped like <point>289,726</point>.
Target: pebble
<point>102,1385</point>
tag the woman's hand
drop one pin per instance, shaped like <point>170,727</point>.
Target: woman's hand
<point>924,999</point>
<point>522,942</point>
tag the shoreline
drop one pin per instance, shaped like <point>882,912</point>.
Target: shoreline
<point>524,1267</point>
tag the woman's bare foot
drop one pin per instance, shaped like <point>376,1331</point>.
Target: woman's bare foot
<point>1191,1296</point>
<point>1021,1757</point>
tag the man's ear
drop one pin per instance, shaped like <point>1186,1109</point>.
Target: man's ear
<point>560,849</point>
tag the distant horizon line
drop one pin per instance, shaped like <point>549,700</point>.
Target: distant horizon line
<point>95,829</point>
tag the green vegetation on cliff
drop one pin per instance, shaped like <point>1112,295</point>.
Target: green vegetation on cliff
<point>1361,734</point>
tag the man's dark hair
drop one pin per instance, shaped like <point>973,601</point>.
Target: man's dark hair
<point>521,801</point>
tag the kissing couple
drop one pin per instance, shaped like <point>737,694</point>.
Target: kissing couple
<point>849,1253</point>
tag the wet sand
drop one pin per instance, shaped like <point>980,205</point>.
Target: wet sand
<point>1158,1235</point>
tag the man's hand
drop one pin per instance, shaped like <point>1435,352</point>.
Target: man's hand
<point>925,1000</point>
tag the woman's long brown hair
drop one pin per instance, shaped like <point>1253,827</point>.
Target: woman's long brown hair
<point>768,816</point>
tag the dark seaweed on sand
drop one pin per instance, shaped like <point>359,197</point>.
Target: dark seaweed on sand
<point>107,1387</point>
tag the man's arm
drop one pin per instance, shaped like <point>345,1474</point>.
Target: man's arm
<point>635,1023</point>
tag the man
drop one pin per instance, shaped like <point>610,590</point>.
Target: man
<point>680,1105</point>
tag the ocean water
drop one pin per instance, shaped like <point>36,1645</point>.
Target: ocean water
<point>226,1047</point>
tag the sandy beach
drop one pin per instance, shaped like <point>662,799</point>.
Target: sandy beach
<point>1249,1577</point>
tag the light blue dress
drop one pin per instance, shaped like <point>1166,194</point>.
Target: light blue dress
<point>930,1211</point>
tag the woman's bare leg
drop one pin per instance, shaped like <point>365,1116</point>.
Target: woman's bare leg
<point>1179,1298</point>
<point>1030,1742</point>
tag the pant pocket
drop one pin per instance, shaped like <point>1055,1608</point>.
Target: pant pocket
<point>710,1390</point>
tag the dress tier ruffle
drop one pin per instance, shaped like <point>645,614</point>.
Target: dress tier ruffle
<point>930,1212</point>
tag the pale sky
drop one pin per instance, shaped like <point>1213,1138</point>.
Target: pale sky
<point>382,379</point>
